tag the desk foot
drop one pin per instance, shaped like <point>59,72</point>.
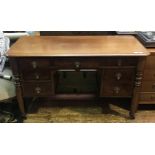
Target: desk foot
<point>32,107</point>
<point>131,115</point>
<point>23,116</point>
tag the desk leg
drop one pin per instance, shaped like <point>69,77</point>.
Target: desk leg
<point>20,102</point>
<point>137,89</point>
<point>20,99</point>
<point>134,103</point>
<point>14,66</point>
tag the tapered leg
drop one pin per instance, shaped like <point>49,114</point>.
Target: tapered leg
<point>20,101</point>
<point>134,104</point>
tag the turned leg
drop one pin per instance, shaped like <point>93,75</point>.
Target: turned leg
<point>20,97</point>
<point>134,107</point>
<point>137,89</point>
<point>14,66</point>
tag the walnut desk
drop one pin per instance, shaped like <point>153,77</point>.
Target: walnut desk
<point>117,60</point>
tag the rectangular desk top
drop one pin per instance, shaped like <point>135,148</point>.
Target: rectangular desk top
<point>61,46</point>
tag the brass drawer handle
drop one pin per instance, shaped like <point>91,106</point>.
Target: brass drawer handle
<point>77,64</point>
<point>34,64</point>
<point>38,90</point>
<point>118,76</point>
<point>119,62</point>
<point>117,90</point>
<point>37,76</point>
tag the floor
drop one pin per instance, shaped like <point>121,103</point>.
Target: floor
<point>87,112</point>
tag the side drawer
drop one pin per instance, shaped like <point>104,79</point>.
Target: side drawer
<point>119,61</point>
<point>149,74</point>
<point>127,74</point>
<point>147,98</point>
<point>148,86</point>
<point>150,62</point>
<point>112,89</point>
<point>34,63</point>
<point>31,89</point>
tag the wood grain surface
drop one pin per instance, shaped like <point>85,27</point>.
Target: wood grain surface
<point>59,46</point>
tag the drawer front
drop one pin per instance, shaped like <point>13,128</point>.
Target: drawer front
<point>147,97</point>
<point>76,63</point>
<point>34,63</point>
<point>110,89</point>
<point>149,74</point>
<point>37,89</point>
<point>119,74</point>
<point>36,75</point>
<point>119,61</point>
<point>148,86</point>
<point>150,62</point>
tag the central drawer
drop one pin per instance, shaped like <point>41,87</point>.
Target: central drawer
<point>73,63</point>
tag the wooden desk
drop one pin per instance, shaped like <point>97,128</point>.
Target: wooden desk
<point>117,60</point>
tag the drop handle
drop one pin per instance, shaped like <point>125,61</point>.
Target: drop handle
<point>119,62</point>
<point>34,64</point>
<point>77,64</point>
<point>118,76</point>
<point>37,76</point>
<point>38,90</point>
<point>117,90</point>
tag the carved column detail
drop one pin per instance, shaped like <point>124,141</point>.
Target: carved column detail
<point>138,83</point>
